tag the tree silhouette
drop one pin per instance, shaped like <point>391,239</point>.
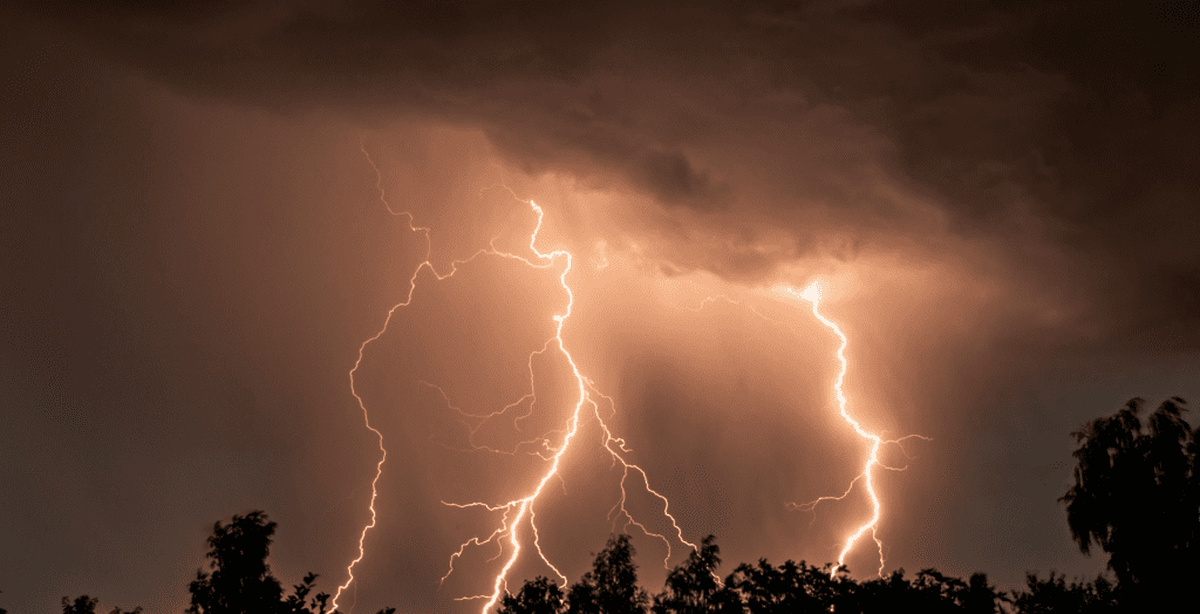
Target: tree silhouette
<point>81,605</point>
<point>880,594</point>
<point>1136,495</point>
<point>935,592</point>
<point>791,587</point>
<point>538,596</point>
<point>695,588</point>
<point>87,605</point>
<point>240,580</point>
<point>1054,595</point>
<point>981,597</point>
<point>295,603</point>
<point>611,587</point>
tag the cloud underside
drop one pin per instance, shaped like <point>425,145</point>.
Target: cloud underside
<point>1057,140</point>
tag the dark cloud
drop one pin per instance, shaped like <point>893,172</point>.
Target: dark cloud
<point>1067,123</point>
<point>484,59</point>
<point>1065,127</point>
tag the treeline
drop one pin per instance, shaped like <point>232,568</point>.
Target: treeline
<point>239,581</point>
<point>695,587</point>
<point>1136,496</point>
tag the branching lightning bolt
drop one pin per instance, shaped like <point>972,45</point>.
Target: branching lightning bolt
<point>524,506</point>
<point>412,284</point>
<point>812,294</point>
<point>516,510</point>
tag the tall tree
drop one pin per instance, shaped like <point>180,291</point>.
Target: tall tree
<point>1137,496</point>
<point>611,587</point>
<point>240,580</point>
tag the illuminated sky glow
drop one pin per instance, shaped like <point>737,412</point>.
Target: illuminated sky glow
<point>215,214</point>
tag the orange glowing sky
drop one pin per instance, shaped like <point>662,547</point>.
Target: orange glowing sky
<point>216,217</point>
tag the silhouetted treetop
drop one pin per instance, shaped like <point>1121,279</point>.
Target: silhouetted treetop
<point>81,605</point>
<point>538,596</point>
<point>1136,495</point>
<point>240,580</point>
<point>87,605</point>
<point>695,588</point>
<point>1055,595</point>
<point>611,587</point>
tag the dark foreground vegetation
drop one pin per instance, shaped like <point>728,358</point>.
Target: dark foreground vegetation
<point>1136,497</point>
<point>695,588</point>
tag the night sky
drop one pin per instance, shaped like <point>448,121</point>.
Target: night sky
<point>201,226</point>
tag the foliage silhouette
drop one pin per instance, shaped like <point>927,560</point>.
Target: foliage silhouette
<point>1136,495</point>
<point>87,605</point>
<point>1054,595</point>
<point>932,592</point>
<point>695,588</point>
<point>240,580</point>
<point>940,593</point>
<point>611,587</point>
<point>81,605</point>
<point>982,597</point>
<point>791,587</point>
<point>538,596</point>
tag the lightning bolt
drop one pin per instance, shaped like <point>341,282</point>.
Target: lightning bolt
<point>516,511</point>
<point>524,505</point>
<point>812,294</point>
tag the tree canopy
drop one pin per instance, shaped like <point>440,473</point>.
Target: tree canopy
<point>694,587</point>
<point>240,580</point>
<point>538,596</point>
<point>1137,496</point>
<point>611,587</point>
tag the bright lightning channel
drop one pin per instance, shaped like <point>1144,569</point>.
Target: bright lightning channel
<point>812,294</point>
<point>523,506</point>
